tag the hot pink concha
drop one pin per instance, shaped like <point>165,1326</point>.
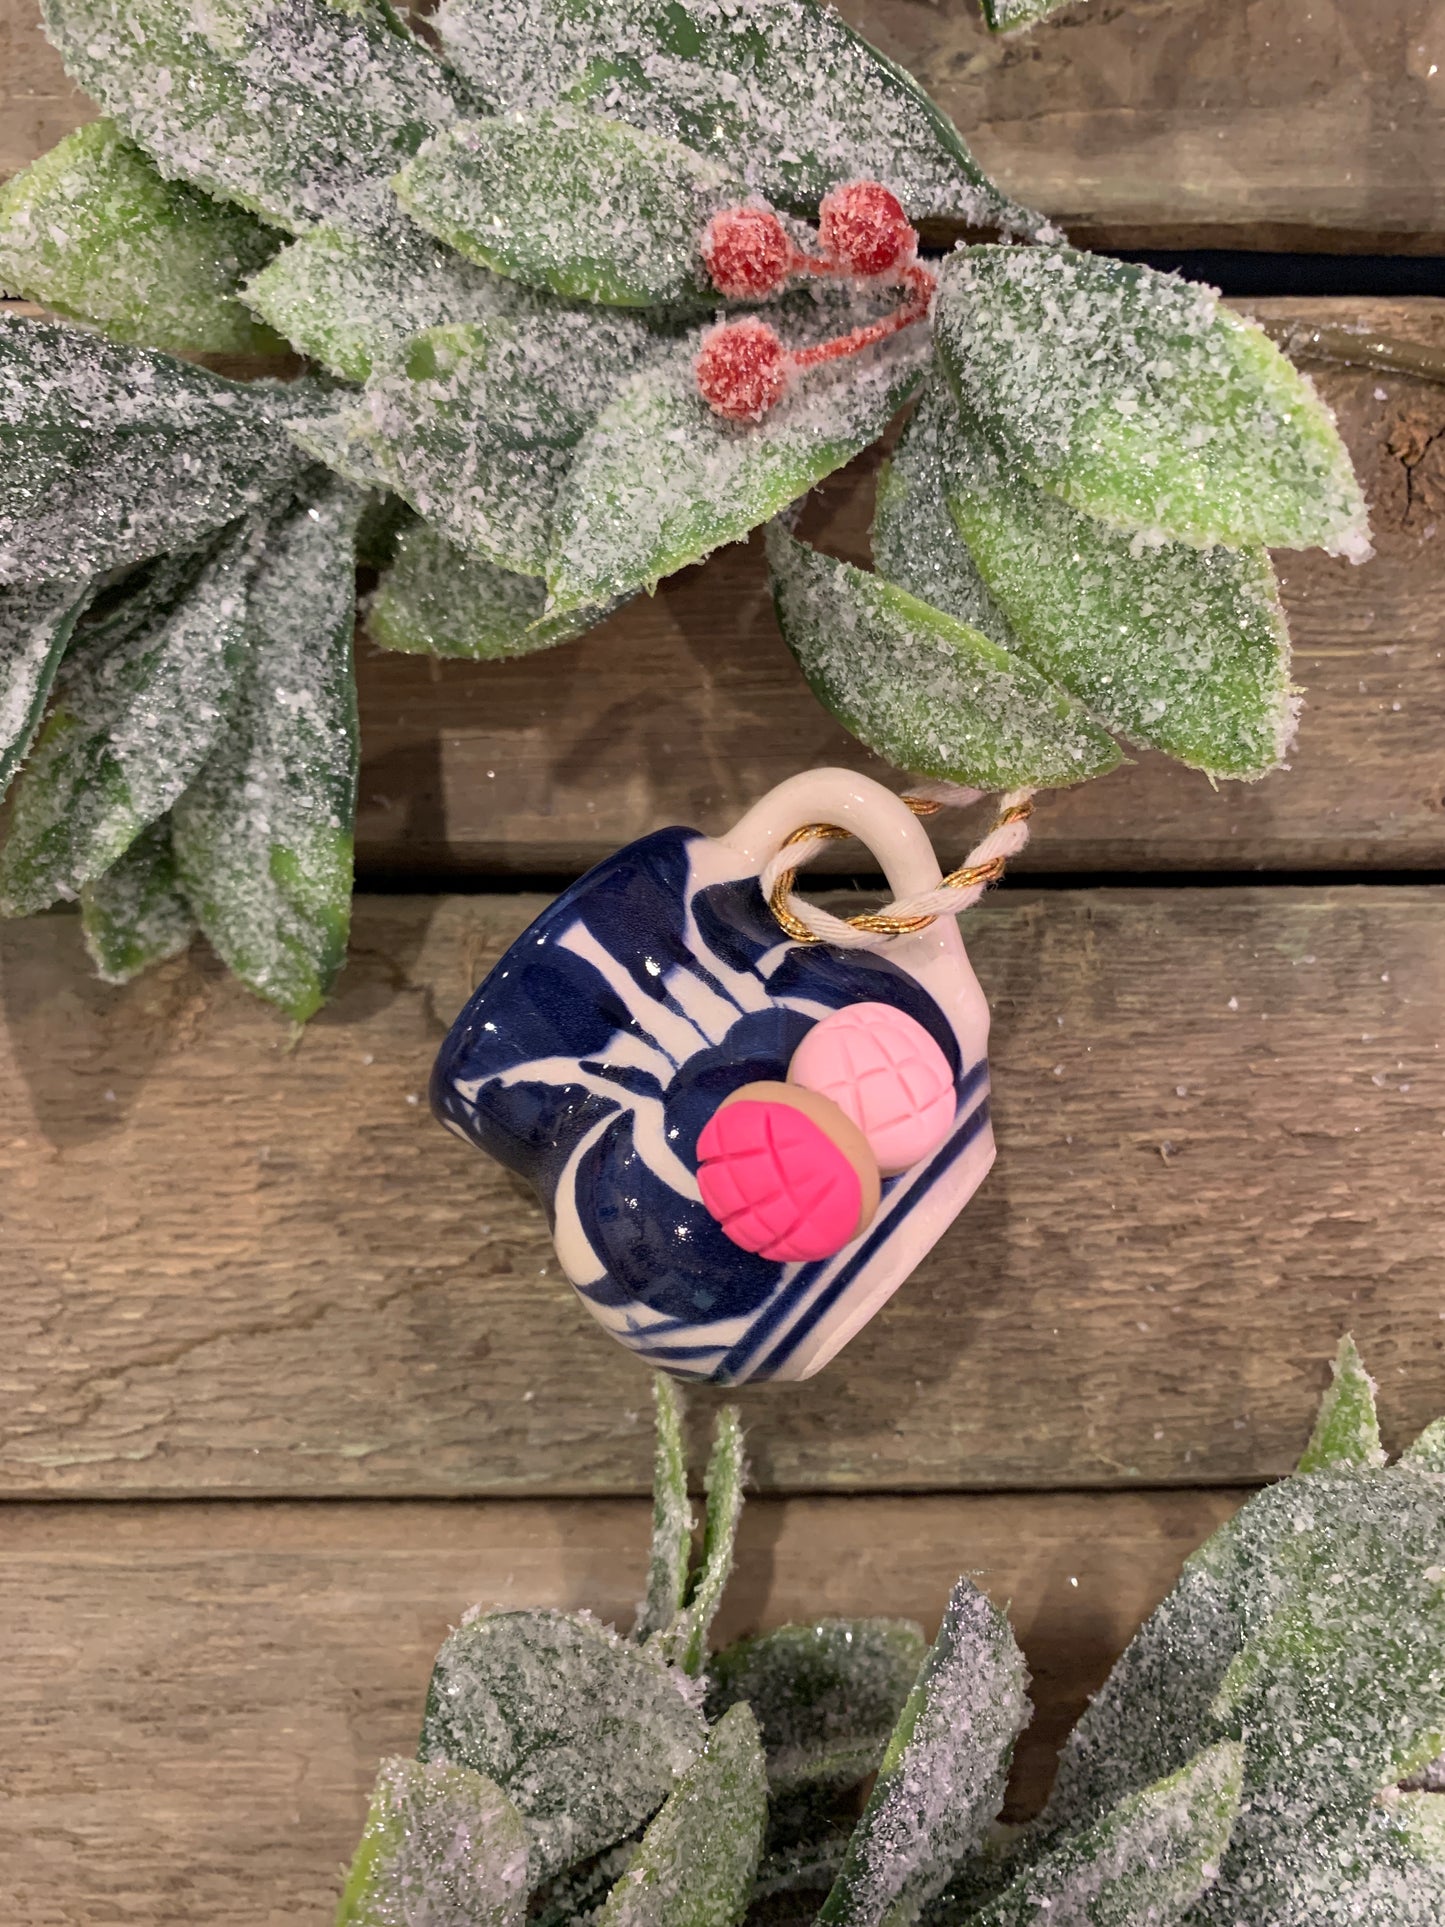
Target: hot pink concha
<point>883,1070</point>
<point>786,1173</point>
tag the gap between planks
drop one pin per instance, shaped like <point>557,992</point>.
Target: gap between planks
<point>198,1695</point>
<point>238,1264</point>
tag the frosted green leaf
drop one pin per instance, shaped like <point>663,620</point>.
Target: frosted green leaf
<point>442,1847</point>
<point>809,1865</point>
<point>1137,398</point>
<point>916,542</point>
<point>1181,649</point>
<point>300,110</point>
<point>685,1641</point>
<point>932,695</point>
<point>696,1863</point>
<point>133,726</point>
<point>350,299</point>
<point>672,1522</point>
<point>35,627</point>
<point>1347,1432</point>
<point>574,1897</point>
<point>826,1696</point>
<point>478,424</point>
<point>92,231</point>
<point>1143,1865</point>
<point>593,209</point>
<point>942,1778</point>
<point>435,599</point>
<point>586,1733</point>
<point>1005,16</point>
<point>1427,1453</point>
<point>660,481</point>
<point>263,837</point>
<point>783,90</point>
<point>111,453</point>
<point>136,914</point>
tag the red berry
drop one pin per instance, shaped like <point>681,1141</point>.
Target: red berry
<point>741,369</point>
<point>747,252</point>
<point>864,226</point>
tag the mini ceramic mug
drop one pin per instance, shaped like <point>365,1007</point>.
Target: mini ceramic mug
<point>602,1049</point>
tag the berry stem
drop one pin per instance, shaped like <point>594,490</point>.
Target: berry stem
<point>920,282</point>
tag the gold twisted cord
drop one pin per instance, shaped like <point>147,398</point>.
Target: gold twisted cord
<point>882,923</point>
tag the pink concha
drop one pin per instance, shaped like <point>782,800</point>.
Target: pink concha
<point>778,1180</point>
<point>883,1070</point>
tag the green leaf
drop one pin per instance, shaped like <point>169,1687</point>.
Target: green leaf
<point>263,837</point>
<point>587,1734</point>
<point>351,299</point>
<point>1148,1860</point>
<point>942,1777</point>
<point>114,453</point>
<point>1347,1432</point>
<point>672,1521</point>
<point>574,1897</point>
<point>686,1640</point>
<point>35,628</point>
<point>932,695</point>
<point>1181,649</point>
<point>92,231</point>
<point>1137,398</point>
<point>696,1863</point>
<point>435,599</point>
<point>478,425</point>
<point>133,726</point>
<point>300,110</point>
<point>916,542</point>
<point>783,90</point>
<point>826,1696</point>
<point>1427,1453</point>
<point>593,209</point>
<point>442,1847</point>
<point>660,481</point>
<point>136,914</point>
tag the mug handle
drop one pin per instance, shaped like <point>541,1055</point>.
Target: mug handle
<point>879,819</point>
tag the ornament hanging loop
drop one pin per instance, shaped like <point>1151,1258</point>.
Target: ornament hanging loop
<point>806,923</point>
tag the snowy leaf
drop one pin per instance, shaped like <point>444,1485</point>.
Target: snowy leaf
<point>1181,649</point>
<point>932,695</point>
<point>263,837</point>
<point>133,726</point>
<point>591,208</point>
<point>442,1847</point>
<point>300,110</point>
<point>435,599</point>
<point>573,1898</point>
<point>942,1778</point>
<point>1137,398</point>
<point>1143,1865</point>
<point>661,481</point>
<point>916,542</point>
<point>92,231</point>
<point>686,1640</point>
<point>1347,1431</point>
<point>116,453</point>
<point>136,914</point>
<point>350,299</point>
<point>826,1696</point>
<point>671,1554</point>
<point>35,627</point>
<point>783,90</point>
<point>1427,1453</point>
<point>586,1733</point>
<point>479,423</point>
<point>696,1863</point>
<point>1005,16</point>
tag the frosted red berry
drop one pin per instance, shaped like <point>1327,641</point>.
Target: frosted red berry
<point>863,226</point>
<point>742,369</point>
<point>747,252</point>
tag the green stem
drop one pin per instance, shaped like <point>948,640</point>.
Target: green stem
<point>1357,349</point>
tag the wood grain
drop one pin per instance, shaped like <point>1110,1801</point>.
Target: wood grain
<point>235,1263</point>
<point>197,1696</point>
<point>685,708</point>
<point>1176,123</point>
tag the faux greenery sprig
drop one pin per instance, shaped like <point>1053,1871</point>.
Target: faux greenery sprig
<point>540,382</point>
<point>1255,1759</point>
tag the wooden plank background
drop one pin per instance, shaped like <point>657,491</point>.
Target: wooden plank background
<point>279,1347</point>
